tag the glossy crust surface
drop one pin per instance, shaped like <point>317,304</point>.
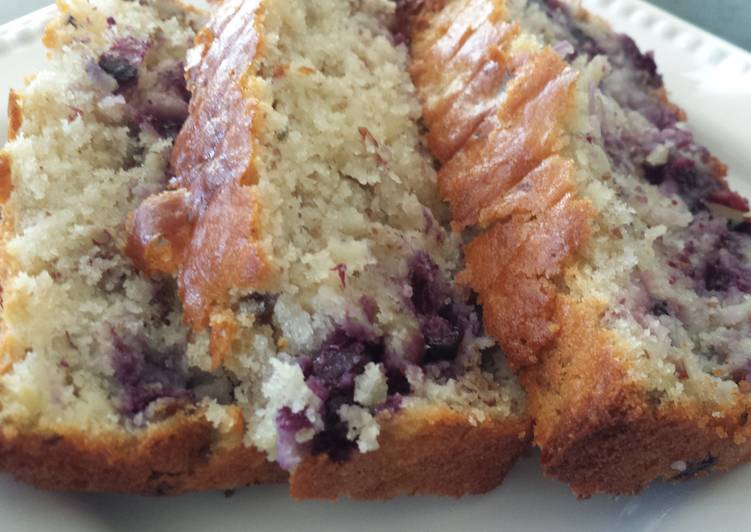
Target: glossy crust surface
<point>508,179</point>
<point>205,227</point>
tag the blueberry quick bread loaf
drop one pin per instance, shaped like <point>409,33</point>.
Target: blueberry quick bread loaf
<point>244,277</point>
<point>611,259</point>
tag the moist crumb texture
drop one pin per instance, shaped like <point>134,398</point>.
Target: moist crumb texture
<point>610,256</point>
<point>257,256</point>
<point>352,312</point>
<point>87,341</point>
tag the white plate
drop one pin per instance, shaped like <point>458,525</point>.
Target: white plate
<point>711,79</point>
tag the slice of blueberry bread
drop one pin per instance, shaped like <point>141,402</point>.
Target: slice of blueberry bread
<point>312,259</point>
<point>611,259</point>
<point>95,388</point>
<point>280,295</point>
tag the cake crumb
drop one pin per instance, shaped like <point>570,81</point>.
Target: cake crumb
<point>370,386</point>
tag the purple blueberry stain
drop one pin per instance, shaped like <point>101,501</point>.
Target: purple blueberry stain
<point>571,30</point>
<point>640,89</point>
<point>166,107</point>
<point>162,109</point>
<point>397,383</point>
<point>442,337</point>
<point>173,79</point>
<point>331,371</point>
<point>713,257</point>
<point>369,308</point>
<point>727,271</point>
<point>694,183</point>
<point>344,354</point>
<point>660,308</point>
<point>288,424</point>
<point>444,318</point>
<point>330,374</point>
<point>429,288</point>
<point>123,60</point>
<point>714,261</point>
<point>100,79</point>
<point>392,403</point>
<point>742,373</point>
<point>341,271</point>
<point>130,49</point>
<point>146,375</point>
<point>642,63</point>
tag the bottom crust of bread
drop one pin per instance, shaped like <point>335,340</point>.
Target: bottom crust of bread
<point>624,456</point>
<point>422,451</point>
<point>427,451</point>
<point>174,459</point>
<point>600,433</point>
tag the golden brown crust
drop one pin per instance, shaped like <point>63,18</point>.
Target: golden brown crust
<point>15,119</point>
<point>159,232</point>
<point>214,242</point>
<point>514,266</point>
<point>525,130</point>
<point>461,75</point>
<point>427,450</point>
<point>15,114</point>
<point>179,456</point>
<point>6,181</point>
<point>598,430</point>
<point>505,172</point>
<point>423,450</point>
